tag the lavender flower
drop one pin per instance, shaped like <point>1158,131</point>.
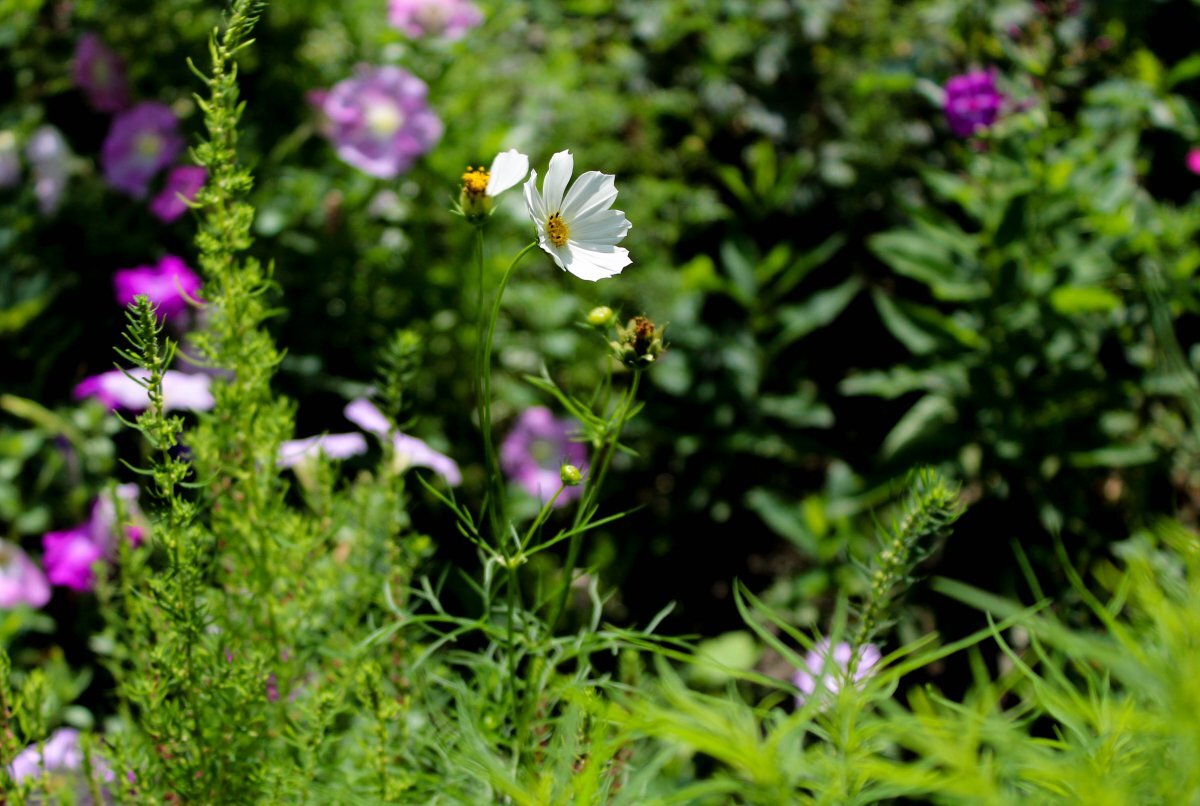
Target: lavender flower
<point>449,19</point>
<point>168,285</point>
<point>100,73</point>
<point>118,391</point>
<point>183,183</point>
<point>335,446</point>
<point>141,142</point>
<point>50,158</point>
<point>62,754</point>
<point>407,451</point>
<point>535,450</point>
<point>379,120</point>
<point>972,102</point>
<point>21,581</point>
<point>830,681</point>
<point>70,555</point>
<point>10,160</point>
<point>1193,160</point>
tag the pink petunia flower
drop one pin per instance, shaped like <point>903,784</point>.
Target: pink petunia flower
<point>117,390</point>
<point>71,554</point>
<point>334,446</point>
<point>448,19</point>
<point>21,581</point>
<point>140,143</point>
<point>100,73</point>
<point>829,681</point>
<point>408,451</point>
<point>1193,160</point>
<point>62,756</point>
<point>168,284</point>
<point>378,120</point>
<point>535,450</point>
<point>972,103</point>
<point>183,183</point>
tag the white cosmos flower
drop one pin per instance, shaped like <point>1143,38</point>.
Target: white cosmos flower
<point>509,168</point>
<point>576,226</point>
<point>480,186</point>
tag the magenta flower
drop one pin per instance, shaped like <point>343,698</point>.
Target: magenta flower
<point>141,142</point>
<point>972,102</point>
<point>1193,160</point>
<point>183,183</point>
<point>379,120</point>
<point>168,284</point>
<point>100,73</point>
<point>830,680</point>
<point>407,451</point>
<point>21,581</point>
<point>117,390</point>
<point>449,19</point>
<point>61,753</point>
<point>70,555</point>
<point>535,450</point>
<point>334,446</point>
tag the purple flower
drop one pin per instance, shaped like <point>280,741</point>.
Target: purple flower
<point>71,554</point>
<point>972,102</point>
<point>50,159</point>
<point>183,181</point>
<point>379,120</point>
<point>61,753</point>
<point>1193,160</point>
<point>535,450</point>
<point>830,680</point>
<point>100,74</point>
<point>407,451</point>
<point>449,19</point>
<point>141,142</point>
<point>117,390</point>
<point>21,581</point>
<point>335,446</point>
<point>168,285</point>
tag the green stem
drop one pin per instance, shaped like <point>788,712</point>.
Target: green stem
<point>591,491</point>
<point>484,384</point>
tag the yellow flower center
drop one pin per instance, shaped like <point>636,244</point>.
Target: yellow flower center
<point>475,181</point>
<point>558,230</point>
<point>148,145</point>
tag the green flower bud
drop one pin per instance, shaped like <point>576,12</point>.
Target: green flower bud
<point>474,201</point>
<point>600,316</point>
<point>570,475</point>
<point>639,344</point>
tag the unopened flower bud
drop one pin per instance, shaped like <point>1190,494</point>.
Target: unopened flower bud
<point>571,476</point>
<point>474,200</point>
<point>600,316</point>
<point>639,344</point>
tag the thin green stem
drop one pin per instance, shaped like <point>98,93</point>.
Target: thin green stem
<point>591,491</point>
<point>496,508</point>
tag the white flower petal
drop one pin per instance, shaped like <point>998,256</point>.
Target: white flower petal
<point>562,165</point>
<point>607,226</point>
<point>509,168</point>
<point>591,261</point>
<point>591,192</point>
<point>533,202</point>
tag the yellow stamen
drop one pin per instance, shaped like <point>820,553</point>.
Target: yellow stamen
<point>475,180</point>
<point>558,230</point>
